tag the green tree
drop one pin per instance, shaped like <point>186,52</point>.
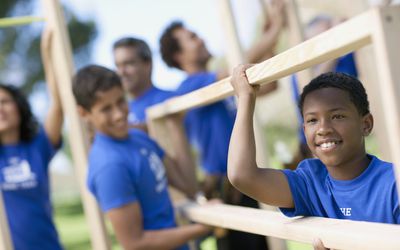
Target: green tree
<point>20,61</point>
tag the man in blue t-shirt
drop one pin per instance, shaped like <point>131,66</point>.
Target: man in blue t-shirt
<point>344,182</point>
<point>209,127</point>
<point>133,60</point>
<point>128,171</point>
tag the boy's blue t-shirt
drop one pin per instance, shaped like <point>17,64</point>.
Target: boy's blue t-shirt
<point>209,128</point>
<point>372,196</point>
<point>123,171</point>
<point>138,106</point>
<point>25,186</point>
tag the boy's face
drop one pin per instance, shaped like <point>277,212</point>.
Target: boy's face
<point>109,113</point>
<point>334,128</point>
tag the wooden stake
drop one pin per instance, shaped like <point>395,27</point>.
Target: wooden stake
<point>5,238</point>
<point>386,39</point>
<point>63,66</point>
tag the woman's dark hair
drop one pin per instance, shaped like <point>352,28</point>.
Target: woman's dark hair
<point>28,127</point>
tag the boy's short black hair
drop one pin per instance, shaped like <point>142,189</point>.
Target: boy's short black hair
<point>350,84</point>
<point>90,80</point>
<point>140,45</point>
<point>169,45</point>
<point>29,126</point>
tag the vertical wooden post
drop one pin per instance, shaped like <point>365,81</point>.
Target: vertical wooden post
<point>296,36</point>
<point>5,239</point>
<point>63,67</point>
<point>386,39</point>
<point>235,56</point>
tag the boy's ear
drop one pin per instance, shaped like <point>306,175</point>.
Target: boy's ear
<point>368,124</point>
<point>84,113</point>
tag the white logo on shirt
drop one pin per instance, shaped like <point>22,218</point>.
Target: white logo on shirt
<point>18,175</point>
<point>157,167</point>
<point>346,211</point>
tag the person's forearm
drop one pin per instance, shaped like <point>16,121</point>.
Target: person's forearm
<point>242,149</point>
<point>54,119</point>
<point>265,45</point>
<point>168,238</point>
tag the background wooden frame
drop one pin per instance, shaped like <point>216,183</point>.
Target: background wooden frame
<point>379,26</point>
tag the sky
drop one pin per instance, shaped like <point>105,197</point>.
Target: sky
<point>147,18</point>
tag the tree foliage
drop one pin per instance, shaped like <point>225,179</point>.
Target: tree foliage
<point>20,61</point>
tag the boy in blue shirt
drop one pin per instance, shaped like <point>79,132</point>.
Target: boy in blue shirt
<point>344,181</point>
<point>133,59</point>
<point>128,171</point>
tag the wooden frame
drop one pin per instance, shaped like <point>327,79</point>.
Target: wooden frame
<point>377,26</point>
<point>5,237</point>
<point>235,55</point>
<point>63,67</point>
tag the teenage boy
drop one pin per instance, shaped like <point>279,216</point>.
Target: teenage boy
<point>128,171</point>
<point>343,181</point>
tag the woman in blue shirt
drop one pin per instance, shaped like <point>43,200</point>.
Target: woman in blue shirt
<point>25,152</point>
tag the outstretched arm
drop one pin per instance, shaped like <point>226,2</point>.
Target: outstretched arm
<point>128,227</point>
<point>54,119</point>
<point>181,169</point>
<point>263,48</point>
<point>269,186</point>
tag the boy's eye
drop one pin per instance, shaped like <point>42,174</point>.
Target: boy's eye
<point>311,120</point>
<point>337,116</point>
<point>106,109</point>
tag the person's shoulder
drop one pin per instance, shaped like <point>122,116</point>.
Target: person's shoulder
<point>163,94</point>
<point>198,80</point>
<point>103,150</point>
<point>135,134</point>
<point>382,168</point>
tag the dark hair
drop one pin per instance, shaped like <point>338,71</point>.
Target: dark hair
<point>140,45</point>
<point>90,80</point>
<point>169,45</point>
<point>351,85</point>
<point>28,127</point>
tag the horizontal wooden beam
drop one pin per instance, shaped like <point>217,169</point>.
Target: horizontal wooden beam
<point>340,40</point>
<point>334,233</point>
<point>17,21</point>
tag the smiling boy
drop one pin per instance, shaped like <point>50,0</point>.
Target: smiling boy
<point>343,181</point>
<point>128,171</point>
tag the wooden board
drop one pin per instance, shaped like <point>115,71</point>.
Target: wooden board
<point>63,66</point>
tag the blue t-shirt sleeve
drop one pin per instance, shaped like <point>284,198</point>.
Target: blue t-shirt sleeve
<point>301,198</point>
<point>396,208</point>
<point>113,186</point>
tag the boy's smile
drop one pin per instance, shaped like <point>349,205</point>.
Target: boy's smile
<point>335,131</point>
<point>109,113</point>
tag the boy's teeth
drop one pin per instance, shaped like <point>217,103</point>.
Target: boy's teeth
<point>327,144</point>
